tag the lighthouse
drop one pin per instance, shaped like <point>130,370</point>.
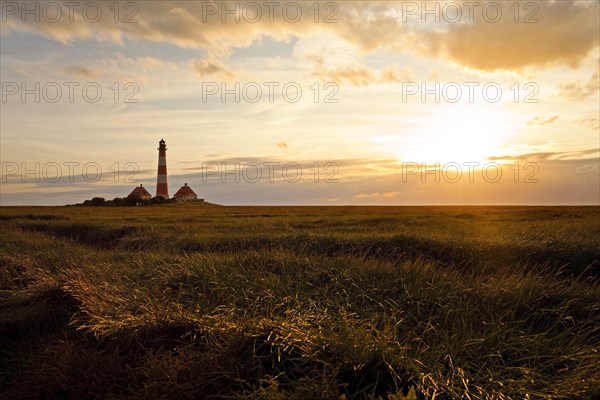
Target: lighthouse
<point>162,188</point>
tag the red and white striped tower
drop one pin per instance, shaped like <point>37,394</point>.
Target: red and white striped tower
<point>162,189</point>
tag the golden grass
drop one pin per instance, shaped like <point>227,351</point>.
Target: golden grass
<point>200,301</point>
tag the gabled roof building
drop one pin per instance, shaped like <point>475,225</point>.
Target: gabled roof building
<point>185,193</point>
<point>140,193</point>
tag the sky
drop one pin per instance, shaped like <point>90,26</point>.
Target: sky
<point>317,103</point>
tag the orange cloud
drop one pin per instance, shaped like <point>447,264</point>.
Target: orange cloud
<point>566,32</point>
<point>591,122</point>
<point>360,75</point>
<point>394,74</point>
<point>376,196</point>
<point>83,72</point>
<point>354,75</point>
<point>207,68</point>
<point>578,91</point>
<point>540,121</point>
<point>589,154</point>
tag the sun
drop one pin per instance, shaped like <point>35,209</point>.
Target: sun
<point>461,133</point>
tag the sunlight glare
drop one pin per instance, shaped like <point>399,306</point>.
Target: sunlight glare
<point>462,133</point>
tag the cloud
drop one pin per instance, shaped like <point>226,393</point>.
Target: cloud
<point>346,166</point>
<point>355,75</point>
<point>282,145</point>
<point>566,32</point>
<point>561,155</point>
<point>376,195</point>
<point>592,122</point>
<point>187,24</point>
<point>577,91</point>
<point>395,74</point>
<point>212,69</point>
<point>560,178</point>
<point>116,67</point>
<point>360,75</point>
<point>540,121</point>
<point>83,72</point>
<point>549,182</point>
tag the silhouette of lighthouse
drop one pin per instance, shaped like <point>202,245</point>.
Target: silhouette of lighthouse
<point>162,188</point>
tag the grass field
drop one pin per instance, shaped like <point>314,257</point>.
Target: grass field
<point>197,301</point>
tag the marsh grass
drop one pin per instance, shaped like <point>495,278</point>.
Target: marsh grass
<point>182,301</point>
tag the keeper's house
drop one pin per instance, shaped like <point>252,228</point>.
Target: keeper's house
<point>185,193</point>
<point>140,193</point>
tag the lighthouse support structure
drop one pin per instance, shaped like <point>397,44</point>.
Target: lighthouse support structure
<point>162,188</point>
